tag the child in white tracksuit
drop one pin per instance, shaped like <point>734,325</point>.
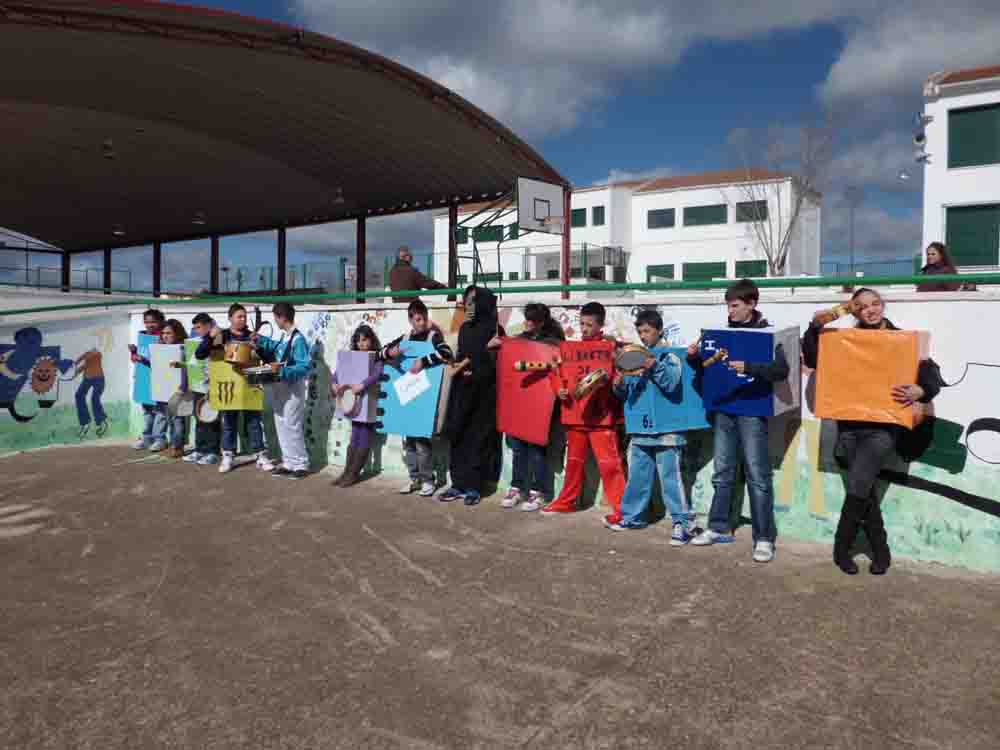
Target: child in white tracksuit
<point>289,358</point>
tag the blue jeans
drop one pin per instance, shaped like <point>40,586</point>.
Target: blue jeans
<point>530,468</point>
<point>154,423</point>
<point>743,440</point>
<point>644,463</point>
<point>178,431</point>
<point>255,430</point>
<point>206,437</point>
<point>96,387</point>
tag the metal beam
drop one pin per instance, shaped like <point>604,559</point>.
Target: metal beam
<point>157,267</point>
<point>564,261</point>
<point>65,268</point>
<point>282,260</point>
<point>213,279</point>
<point>452,249</point>
<point>107,271</point>
<point>359,260</point>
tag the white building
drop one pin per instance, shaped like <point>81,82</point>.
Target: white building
<point>693,227</point>
<point>962,164</point>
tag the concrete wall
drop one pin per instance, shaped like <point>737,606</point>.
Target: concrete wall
<point>943,506</point>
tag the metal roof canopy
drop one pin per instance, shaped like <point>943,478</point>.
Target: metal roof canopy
<point>172,122</point>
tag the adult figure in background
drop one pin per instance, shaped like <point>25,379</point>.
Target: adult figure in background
<point>938,262</point>
<point>405,278</point>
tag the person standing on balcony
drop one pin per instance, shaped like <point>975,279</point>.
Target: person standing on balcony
<point>405,278</point>
<point>938,262</point>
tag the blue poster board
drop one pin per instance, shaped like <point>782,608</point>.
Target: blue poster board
<point>727,391</point>
<point>142,391</point>
<point>648,411</point>
<point>417,417</point>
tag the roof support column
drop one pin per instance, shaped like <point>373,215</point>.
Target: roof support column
<point>65,271</point>
<point>282,263</point>
<point>359,259</point>
<point>213,278</point>
<point>157,267</point>
<point>564,263</point>
<point>452,249</point>
<point>107,271</point>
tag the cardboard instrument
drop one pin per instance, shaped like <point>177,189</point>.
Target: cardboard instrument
<point>352,368</point>
<point>165,379</point>
<point>650,411</point>
<point>230,390</point>
<point>408,404</point>
<point>599,408</point>
<point>142,392</point>
<point>525,398</point>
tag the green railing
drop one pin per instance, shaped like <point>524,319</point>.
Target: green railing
<point>661,286</point>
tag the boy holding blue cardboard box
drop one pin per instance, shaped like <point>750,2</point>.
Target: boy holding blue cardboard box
<point>741,438</point>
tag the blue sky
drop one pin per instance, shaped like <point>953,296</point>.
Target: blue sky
<point>620,88</point>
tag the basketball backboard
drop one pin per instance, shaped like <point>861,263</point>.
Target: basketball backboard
<point>539,206</point>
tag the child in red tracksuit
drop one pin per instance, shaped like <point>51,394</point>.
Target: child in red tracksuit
<point>591,422</point>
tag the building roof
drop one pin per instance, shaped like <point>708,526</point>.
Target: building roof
<point>710,179</point>
<point>964,76</point>
<point>126,122</point>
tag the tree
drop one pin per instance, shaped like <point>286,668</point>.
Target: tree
<point>781,169</point>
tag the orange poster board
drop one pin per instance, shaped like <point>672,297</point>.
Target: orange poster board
<point>857,369</point>
<point>601,408</point>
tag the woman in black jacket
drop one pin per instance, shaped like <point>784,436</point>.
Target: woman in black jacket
<point>865,446</point>
<point>938,262</point>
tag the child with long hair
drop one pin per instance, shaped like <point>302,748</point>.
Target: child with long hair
<point>364,339</point>
<point>177,427</point>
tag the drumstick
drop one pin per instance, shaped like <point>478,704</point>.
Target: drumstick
<point>721,354</point>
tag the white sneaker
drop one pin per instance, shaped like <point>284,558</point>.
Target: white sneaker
<point>763,552</point>
<point>411,486</point>
<point>140,444</point>
<point>264,463</point>
<point>512,498</point>
<point>192,458</point>
<point>227,463</point>
<point>157,446</point>
<point>535,502</point>
<point>708,537</point>
<point>427,489</point>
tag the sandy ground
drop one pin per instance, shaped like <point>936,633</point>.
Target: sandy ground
<point>148,604</point>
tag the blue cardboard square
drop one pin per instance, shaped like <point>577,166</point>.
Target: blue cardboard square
<point>142,389</point>
<point>648,411</point>
<point>727,391</point>
<point>417,417</point>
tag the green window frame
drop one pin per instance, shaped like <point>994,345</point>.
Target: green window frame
<point>974,136</point>
<point>578,217</point>
<point>512,276</point>
<point>488,233</point>
<point>513,231</point>
<point>461,235</point>
<point>660,218</point>
<point>751,211</point>
<point>703,216</point>
<point>597,216</point>
<point>973,234</point>
<point>552,273</point>
<point>751,269</point>
<point>662,271</point>
<point>704,271</point>
<point>461,280</point>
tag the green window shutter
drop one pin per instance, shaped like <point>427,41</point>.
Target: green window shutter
<point>664,272</point>
<point>751,211</point>
<point>704,271</point>
<point>488,233</point>
<point>461,280</point>
<point>462,235</point>
<point>973,234</point>
<point>700,216</point>
<point>513,231</point>
<point>597,216</point>
<point>974,136</point>
<point>512,276</point>
<point>578,217</point>
<point>552,274</point>
<point>490,278</point>
<point>751,269</point>
<point>660,218</point>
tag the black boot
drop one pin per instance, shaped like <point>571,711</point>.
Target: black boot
<point>339,481</point>
<point>355,465</point>
<point>877,539</point>
<point>847,529</point>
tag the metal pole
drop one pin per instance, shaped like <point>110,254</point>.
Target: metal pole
<point>213,283</point>
<point>282,267</point>
<point>107,271</point>
<point>27,268</point>
<point>65,272</point>
<point>452,249</point>
<point>157,267</point>
<point>851,241</point>
<point>567,209</point>
<point>359,262</point>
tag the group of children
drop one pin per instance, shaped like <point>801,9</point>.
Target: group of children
<point>471,421</point>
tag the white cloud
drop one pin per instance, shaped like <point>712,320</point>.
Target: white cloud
<point>626,175</point>
<point>878,234</point>
<point>877,164</point>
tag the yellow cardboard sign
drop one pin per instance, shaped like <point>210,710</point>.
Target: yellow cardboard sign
<point>229,390</point>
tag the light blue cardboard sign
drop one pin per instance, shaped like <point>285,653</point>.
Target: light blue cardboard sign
<point>142,391</point>
<point>649,411</point>
<point>417,417</point>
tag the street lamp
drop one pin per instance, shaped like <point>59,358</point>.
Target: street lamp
<point>854,195</point>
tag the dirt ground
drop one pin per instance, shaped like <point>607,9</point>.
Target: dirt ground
<point>149,604</point>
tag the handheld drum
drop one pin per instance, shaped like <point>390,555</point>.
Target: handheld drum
<point>182,404</point>
<point>239,353</point>
<point>262,375</point>
<point>349,404</point>
<point>591,382</point>
<point>631,358</point>
<point>204,412</point>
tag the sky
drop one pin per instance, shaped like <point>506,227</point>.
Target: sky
<point>611,89</point>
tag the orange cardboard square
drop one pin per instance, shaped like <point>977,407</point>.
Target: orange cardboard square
<point>857,369</point>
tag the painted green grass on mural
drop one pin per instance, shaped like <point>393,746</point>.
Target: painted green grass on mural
<point>59,425</point>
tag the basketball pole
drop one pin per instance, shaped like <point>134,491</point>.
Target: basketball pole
<point>567,196</point>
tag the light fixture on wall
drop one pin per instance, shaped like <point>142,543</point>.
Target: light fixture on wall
<point>118,230</point>
<point>199,219</point>
<point>338,197</point>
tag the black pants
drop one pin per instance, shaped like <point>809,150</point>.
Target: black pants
<point>863,449</point>
<point>473,433</point>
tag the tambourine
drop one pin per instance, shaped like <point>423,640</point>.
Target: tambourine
<point>204,412</point>
<point>631,358</point>
<point>239,353</point>
<point>720,356</point>
<point>837,311</point>
<point>591,382</point>
<point>523,365</point>
<point>349,404</point>
<point>182,404</point>
<point>262,375</point>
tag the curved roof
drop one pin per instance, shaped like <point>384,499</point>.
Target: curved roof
<point>127,122</point>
